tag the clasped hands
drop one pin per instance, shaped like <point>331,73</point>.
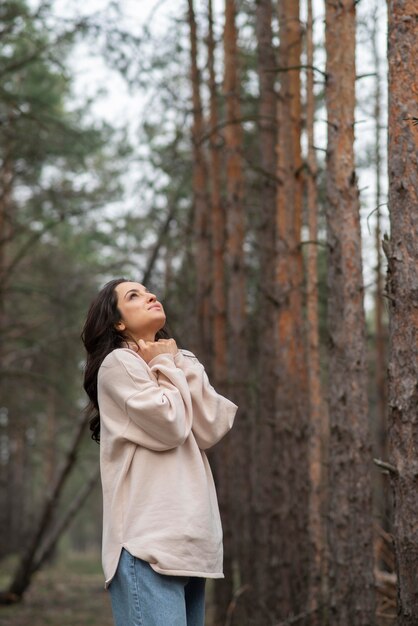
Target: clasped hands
<point>149,349</point>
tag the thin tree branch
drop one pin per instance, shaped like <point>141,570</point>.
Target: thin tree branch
<point>23,574</point>
<point>390,469</point>
<point>65,521</point>
<point>360,76</point>
<point>299,67</point>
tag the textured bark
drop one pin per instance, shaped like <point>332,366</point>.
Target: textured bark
<point>222,452</point>
<point>289,539</point>
<point>402,287</point>
<point>217,223</point>
<point>266,239</point>
<point>351,592</point>
<point>239,454</point>
<point>317,410</point>
<point>201,213</point>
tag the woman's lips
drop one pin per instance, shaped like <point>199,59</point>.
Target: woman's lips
<point>155,306</point>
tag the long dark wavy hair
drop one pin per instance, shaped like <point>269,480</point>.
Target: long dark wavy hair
<point>100,337</point>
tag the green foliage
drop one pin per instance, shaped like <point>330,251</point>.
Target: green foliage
<point>57,171</point>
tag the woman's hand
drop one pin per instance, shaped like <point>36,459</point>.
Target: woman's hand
<point>149,349</point>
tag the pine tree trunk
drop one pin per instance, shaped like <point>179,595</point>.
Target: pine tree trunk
<point>266,374</point>
<point>222,452</point>
<point>6,188</point>
<point>201,215</point>
<point>239,453</point>
<point>217,222</point>
<point>402,288</point>
<point>6,475</point>
<point>288,563</point>
<point>351,584</point>
<point>317,410</point>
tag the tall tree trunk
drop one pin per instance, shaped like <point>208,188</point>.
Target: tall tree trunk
<point>317,410</point>
<point>217,223</point>
<point>402,288</point>
<point>266,239</point>
<point>239,453</point>
<point>201,216</point>
<point>6,189</point>
<point>289,540</point>
<point>6,475</point>
<point>221,455</point>
<point>351,585</point>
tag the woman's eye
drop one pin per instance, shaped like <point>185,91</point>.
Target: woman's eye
<point>134,295</point>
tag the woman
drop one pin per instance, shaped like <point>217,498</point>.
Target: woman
<point>155,414</point>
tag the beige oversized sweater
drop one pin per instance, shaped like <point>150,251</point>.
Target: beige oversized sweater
<point>159,498</point>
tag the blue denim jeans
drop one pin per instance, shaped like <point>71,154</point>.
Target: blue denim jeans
<point>141,596</point>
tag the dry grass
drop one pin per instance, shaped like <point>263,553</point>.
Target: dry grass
<point>69,593</point>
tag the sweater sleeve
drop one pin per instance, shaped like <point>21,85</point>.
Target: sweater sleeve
<point>213,414</point>
<point>159,407</point>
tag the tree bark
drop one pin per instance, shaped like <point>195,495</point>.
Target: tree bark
<point>217,223</point>
<point>402,291</point>
<point>351,584</point>
<point>264,495</point>
<point>288,564</point>
<point>239,460</point>
<point>317,410</point>
<point>221,454</point>
<point>201,216</point>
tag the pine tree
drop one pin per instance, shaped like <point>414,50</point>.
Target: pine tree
<point>402,283</point>
<point>351,584</point>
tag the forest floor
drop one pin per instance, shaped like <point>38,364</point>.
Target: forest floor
<point>68,593</point>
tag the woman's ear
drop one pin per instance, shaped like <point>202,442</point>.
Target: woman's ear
<point>120,326</point>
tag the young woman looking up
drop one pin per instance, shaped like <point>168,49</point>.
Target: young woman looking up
<point>155,413</point>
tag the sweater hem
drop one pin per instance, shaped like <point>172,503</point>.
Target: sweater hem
<point>165,572</point>
<point>185,572</point>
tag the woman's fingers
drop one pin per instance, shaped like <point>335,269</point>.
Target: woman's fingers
<point>150,349</point>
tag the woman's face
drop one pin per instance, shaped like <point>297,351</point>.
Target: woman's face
<point>142,316</point>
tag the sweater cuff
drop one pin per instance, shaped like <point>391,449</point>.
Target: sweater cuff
<point>162,359</point>
<point>178,358</point>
